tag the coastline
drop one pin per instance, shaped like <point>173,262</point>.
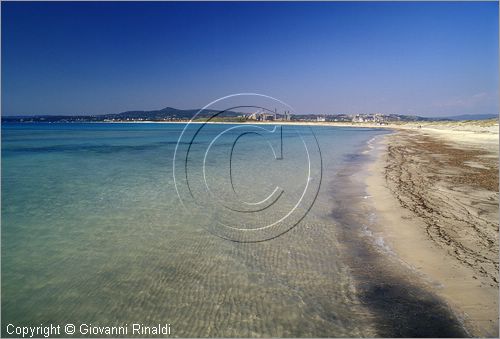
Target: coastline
<point>435,193</point>
<point>481,130</point>
<point>392,293</point>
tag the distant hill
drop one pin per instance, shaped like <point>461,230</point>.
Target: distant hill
<point>473,117</point>
<point>174,114</point>
<point>165,114</point>
<point>169,113</point>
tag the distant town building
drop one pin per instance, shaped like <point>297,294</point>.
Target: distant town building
<point>261,116</point>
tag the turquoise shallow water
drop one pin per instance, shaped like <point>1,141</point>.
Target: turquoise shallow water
<point>93,231</point>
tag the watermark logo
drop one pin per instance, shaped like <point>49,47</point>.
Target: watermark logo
<point>243,171</point>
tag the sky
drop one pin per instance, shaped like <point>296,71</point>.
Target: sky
<point>427,58</point>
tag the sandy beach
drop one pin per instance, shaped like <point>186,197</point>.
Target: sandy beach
<point>436,193</point>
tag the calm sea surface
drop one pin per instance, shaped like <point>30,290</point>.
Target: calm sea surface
<point>96,230</point>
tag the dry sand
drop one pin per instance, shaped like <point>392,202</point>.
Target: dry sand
<point>436,193</point>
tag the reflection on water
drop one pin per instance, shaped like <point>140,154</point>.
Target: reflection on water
<point>93,232</point>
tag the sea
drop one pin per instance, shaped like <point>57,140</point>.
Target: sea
<point>216,230</point>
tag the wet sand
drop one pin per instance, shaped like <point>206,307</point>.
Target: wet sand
<point>435,192</point>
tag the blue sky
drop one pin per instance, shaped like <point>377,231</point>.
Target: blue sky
<point>430,59</point>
